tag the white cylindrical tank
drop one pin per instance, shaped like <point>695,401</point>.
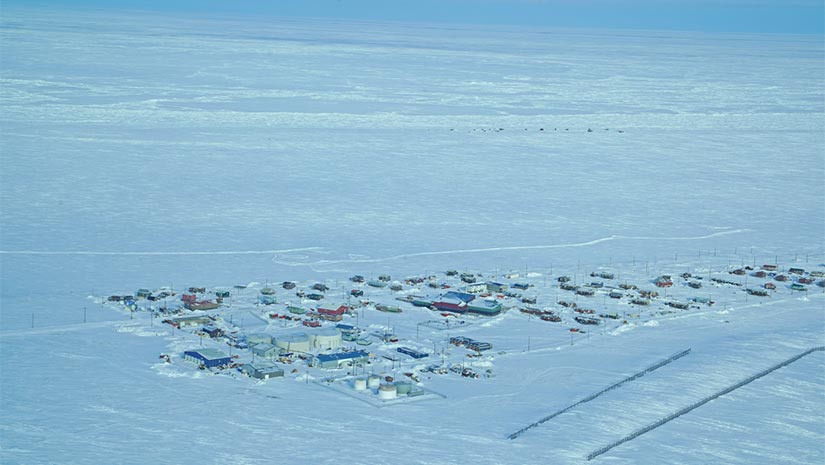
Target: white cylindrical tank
<point>360,384</point>
<point>373,381</point>
<point>386,391</point>
<point>258,338</point>
<point>293,342</point>
<point>326,339</point>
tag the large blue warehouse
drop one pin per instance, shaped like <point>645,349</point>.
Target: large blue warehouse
<point>341,358</point>
<point>210,358</point>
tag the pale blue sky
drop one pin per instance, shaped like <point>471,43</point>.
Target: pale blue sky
<point>782,16</point>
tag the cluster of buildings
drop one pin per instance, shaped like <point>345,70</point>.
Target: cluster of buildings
<point>464,301</point>
<point>323,344</point>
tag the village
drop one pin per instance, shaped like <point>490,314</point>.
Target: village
<point>378,339</point>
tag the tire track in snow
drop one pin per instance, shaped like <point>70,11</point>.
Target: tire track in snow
<point>216,252</point>
<point>505,249</point>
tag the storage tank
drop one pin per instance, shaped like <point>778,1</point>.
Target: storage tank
<point>403,388</point>
<point>293,342</point>
<point>360,384</point>
<point>373,381</point>
<point>386,391</point>
<point>258,338</point>
<point>329,339</point>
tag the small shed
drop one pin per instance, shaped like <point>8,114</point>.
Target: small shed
<point>493,286</point>
<point>262,370</point>
<point>188,321</point>
<point>266,350</point>
<point>202,305</point>
<point>258,338</point>
<point>478,345</point>
<point>143,293</point>
<point>213,331</point>
<point>475,288</point>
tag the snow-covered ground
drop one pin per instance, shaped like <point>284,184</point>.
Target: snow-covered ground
<point>147,152</point>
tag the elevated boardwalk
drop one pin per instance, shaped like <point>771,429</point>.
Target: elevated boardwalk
<point>700,403</point>
<point>638,375</point>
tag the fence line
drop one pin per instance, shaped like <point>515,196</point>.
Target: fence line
<point>700,403</point>
<point>649,369</point>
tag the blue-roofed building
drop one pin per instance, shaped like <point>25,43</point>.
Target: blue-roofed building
<point>210,358</point>
<point>337,360</point>
<point>412,352</point>
<point>348,332</point>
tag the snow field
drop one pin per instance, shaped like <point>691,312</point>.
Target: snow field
<point>176,152</point>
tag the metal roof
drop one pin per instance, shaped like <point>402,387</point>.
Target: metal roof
<point>209,354</point>
<point>462,296</point>
<point>341,356</point>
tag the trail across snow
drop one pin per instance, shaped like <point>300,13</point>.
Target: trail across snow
<point>214,252</point>
<point>504,249</point>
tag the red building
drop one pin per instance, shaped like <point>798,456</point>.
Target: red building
<point>330,312</point>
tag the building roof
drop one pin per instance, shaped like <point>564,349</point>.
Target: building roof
<point>485,303</point>
<point>297,337</point>
<point>263,347</point>
<point>197,318</point>
<point>341,356</point>
<point>263,367</point>
<point>208,354</point>
<point>462,296</point>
